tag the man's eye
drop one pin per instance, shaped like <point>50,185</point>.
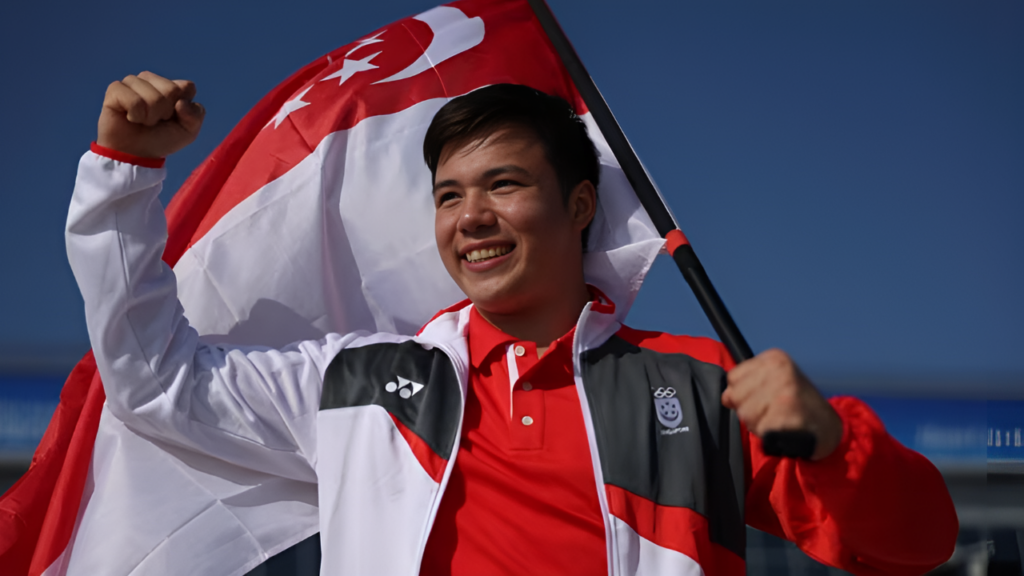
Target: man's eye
<point>445,197</point>
<point>504,183</point>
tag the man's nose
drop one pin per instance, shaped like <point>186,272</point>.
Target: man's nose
<point>477,213</point>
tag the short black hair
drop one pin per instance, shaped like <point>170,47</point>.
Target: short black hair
<point>562,132</point>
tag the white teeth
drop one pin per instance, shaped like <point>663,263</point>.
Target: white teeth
<point>484,254</point>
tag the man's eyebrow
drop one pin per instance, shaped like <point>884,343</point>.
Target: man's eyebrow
<point>491,173</point>
<point>506,169</point>
<point>444,183</point>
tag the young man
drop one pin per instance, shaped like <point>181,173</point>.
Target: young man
<point>530,431</point>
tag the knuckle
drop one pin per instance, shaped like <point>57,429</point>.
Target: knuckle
<point>727,398</point>
<point>788,397</point>
<point>186,87</point>
<point>788,408</point>
<point>745,415</point>
<point>135,106</point>
<point>778,360</point>
<point>133,100</point>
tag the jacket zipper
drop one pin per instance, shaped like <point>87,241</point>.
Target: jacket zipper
<point>595,456</point>
<point>461,374</point>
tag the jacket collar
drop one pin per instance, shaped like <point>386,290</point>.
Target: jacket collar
<point>598,320</point>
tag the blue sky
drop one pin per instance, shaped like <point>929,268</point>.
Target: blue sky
<point>850,173</point>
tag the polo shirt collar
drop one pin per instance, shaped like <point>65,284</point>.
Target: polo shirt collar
<point>484,337</point>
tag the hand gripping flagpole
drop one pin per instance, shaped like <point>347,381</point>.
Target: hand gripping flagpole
<point>782,443</point>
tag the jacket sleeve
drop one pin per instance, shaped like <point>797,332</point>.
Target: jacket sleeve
<point>871,507</point>
<point>254,407</point>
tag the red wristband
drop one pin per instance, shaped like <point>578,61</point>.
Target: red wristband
<point>125,157</point>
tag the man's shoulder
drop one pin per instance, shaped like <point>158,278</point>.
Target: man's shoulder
<point>698,347</point>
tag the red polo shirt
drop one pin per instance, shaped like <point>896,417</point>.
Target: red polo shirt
<point>522,498</point>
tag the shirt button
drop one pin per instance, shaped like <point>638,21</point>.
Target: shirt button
<point>527,386</point>
<point>520,350</point>
<point>527,421</point>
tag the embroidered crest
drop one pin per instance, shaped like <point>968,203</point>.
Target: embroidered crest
<point>670,412</point>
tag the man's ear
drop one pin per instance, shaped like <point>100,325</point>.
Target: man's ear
<point>582,204</point>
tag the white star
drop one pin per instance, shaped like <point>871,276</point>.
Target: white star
<point>350,67</point>
<point>289,107</point>
<point>371,40</point>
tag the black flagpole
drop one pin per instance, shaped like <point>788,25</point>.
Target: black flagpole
<point>789,443</point>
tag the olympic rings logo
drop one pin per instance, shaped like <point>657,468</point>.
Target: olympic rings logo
<point>664,392</point>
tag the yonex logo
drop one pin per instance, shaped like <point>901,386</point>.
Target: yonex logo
<point>406,388</point>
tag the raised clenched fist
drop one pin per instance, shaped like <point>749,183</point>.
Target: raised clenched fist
<point>769,393</point>
<point>149,116</point>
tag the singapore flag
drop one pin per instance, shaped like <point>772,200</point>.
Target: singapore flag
<point>313,216</point>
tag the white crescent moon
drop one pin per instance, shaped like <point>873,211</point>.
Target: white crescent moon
<point>454,33</point>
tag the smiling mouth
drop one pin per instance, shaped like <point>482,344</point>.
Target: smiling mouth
<point>488,253</point>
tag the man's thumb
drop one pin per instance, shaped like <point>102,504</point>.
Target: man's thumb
<point>190,115</point>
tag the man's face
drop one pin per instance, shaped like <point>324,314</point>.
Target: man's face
<point>504,233</point>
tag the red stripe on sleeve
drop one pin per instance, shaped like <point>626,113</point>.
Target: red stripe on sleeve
<point>126,158</point>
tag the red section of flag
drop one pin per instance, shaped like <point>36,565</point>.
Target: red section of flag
<point>42,505</point>
<point>514,50</point>
<point>196,198</point>
<point>63,503</point>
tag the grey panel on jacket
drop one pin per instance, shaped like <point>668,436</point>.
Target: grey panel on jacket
<point>417,386</point>
<point>695,463</point>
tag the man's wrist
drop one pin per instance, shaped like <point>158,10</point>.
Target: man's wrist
<point>830,434</point>
<point>126,157</point>
<point>839,437</point>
